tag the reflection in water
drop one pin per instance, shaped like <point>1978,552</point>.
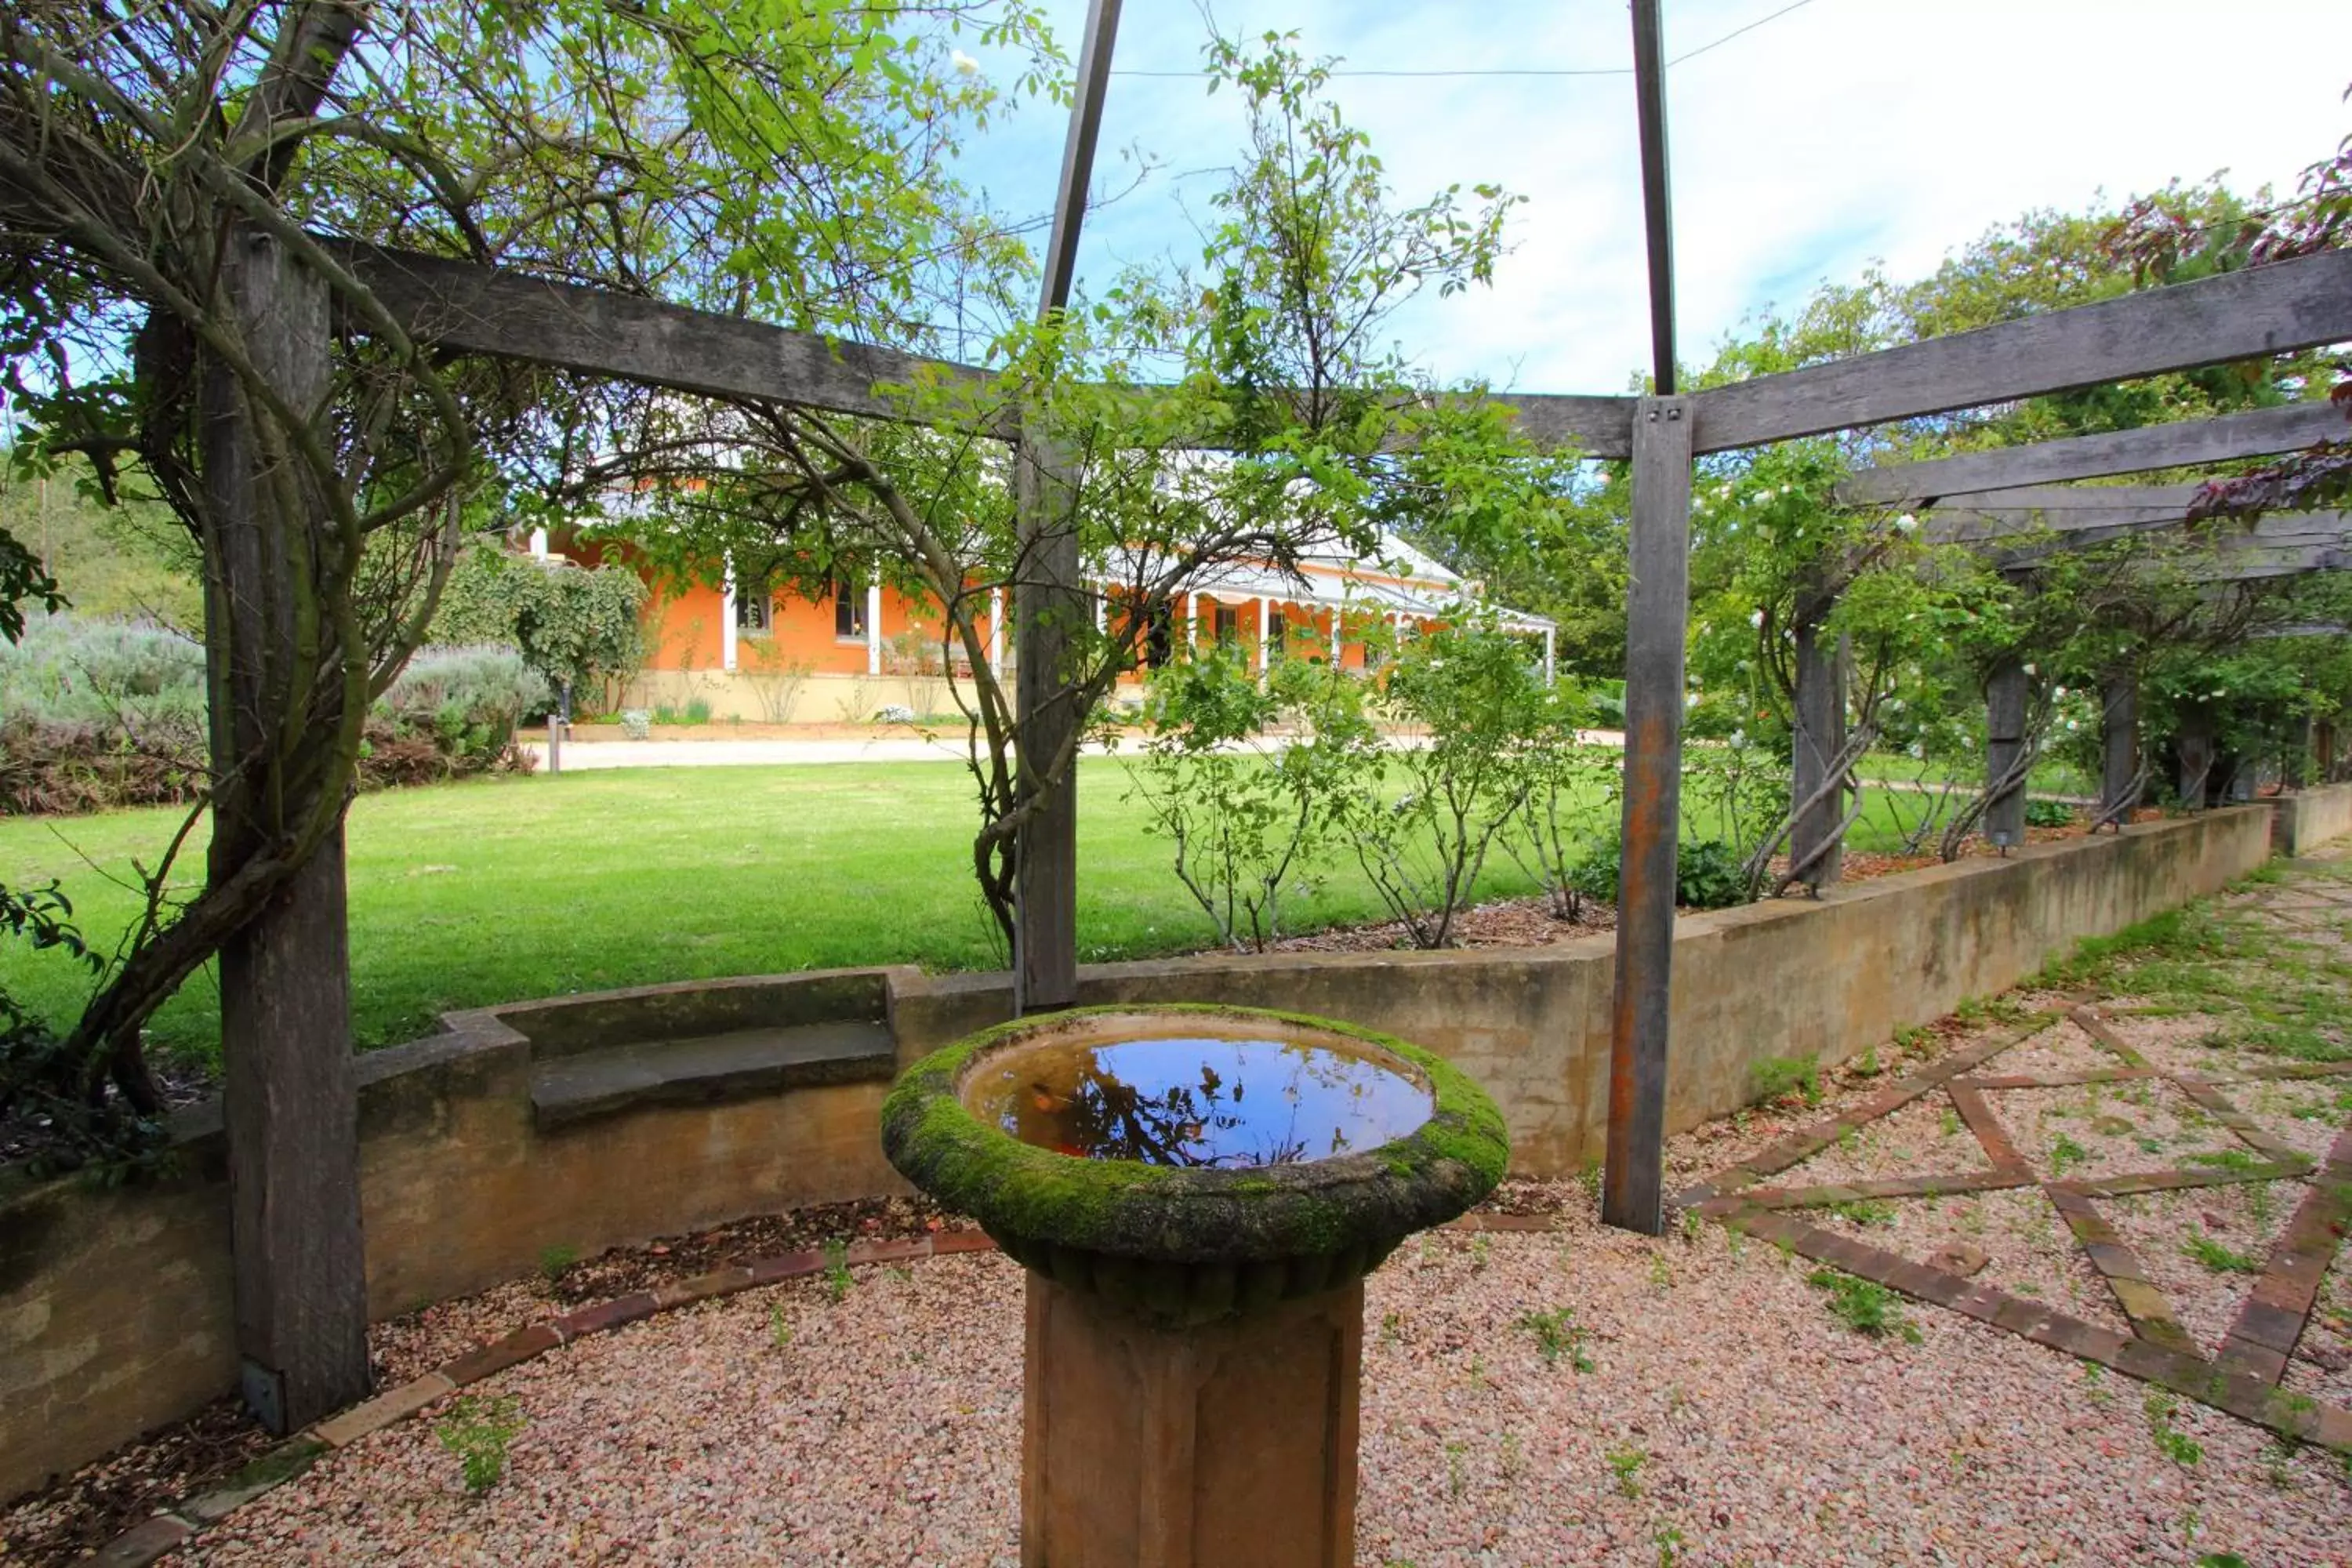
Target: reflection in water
<point>1196,1101</point>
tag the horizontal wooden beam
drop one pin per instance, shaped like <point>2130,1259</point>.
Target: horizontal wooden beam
<point>2289,305</point>
<point>2187,443</point>
<point>1997,514</point>
<point>485,309</point>
<point>2221,538</point>
<point>2285,561</point>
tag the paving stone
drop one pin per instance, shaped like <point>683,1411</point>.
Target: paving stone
<point>499,1355</point>
<point>786,1265</point>
<point>1959,1259</point>
<point>948,1243</point>
<point>142,1542</point>
<point>605,1316</point>
<point>382,1410</point>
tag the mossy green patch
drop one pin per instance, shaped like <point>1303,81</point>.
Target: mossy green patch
<point>1057,1211</point>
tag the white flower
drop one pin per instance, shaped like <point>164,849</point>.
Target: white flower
<point>964,63</point>
<point>2056,692</point>
<point>2031,670</point>
<point>1905,523</point>
<point>2070,725</point>
<point>1919,748</point>
<point>1756,618</point>
<point>2223,692</point>
<point>1738,738</point>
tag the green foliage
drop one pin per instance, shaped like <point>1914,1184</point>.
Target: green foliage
<point>1469,689</point>
<point>479,1430</point>
<point>2170,1441</point>
<point>2213,1256</point>
<point>1864,1306</point>
<point>1774,1077</point>
<point>1709,876</point>
<point>576,626</point>
<point>837,1279</point>
<point>1557,1334</point>
<point>2049,814</point>
<point>1865,1210</point>
<point>1625,1462</point>
<point>1251,814</point>
<point>554,1258</point>
<point>2065,1153</point>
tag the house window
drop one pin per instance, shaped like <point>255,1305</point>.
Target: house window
<point>1158,637</point>
<point>1229,626</point>
<point>848,610</point>
<point>1278,633</point>
<point>754,614</point>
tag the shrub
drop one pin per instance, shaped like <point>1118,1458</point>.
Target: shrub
<point>1709,876</point>
<point>2049,814</point>
<point>103,715</point>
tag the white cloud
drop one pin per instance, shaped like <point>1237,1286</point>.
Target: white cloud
<point>1844,131</point>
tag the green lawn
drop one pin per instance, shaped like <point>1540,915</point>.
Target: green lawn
<point>500,890</point>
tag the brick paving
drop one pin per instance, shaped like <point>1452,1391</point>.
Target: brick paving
<point>2245,1375</point>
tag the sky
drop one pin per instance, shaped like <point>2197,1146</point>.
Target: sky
<point>1833,134</point>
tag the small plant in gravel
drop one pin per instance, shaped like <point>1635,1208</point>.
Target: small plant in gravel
<point>478,1429</point>
<point>1865,1210</point>
<point>1662,1279</point>
<point>1864,1305</point>
<point>555,1260</point>
<point>1693,1225</point>
<point>2213,1256</point>
<point>2064,1152</point>
<point>836,1269</point>
<point>779,1333</point>
<point>1867,1065</point>
<point>1457,1469</point>
<point>1481,1247</point>
<point>2170,1441</point>
<point>2223,1160</point>
<point>1557,1334</point>
<point>1776,1077</point>
<point>1625,1463</point>
<point>1670,1546</point>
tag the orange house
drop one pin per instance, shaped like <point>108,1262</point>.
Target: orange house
<point>782,657</point>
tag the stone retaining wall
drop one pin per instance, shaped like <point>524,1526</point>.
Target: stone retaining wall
<point>115,1312</point>
<point>2310,816</point>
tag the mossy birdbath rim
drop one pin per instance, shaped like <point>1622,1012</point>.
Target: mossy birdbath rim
<point>1193,1241</point>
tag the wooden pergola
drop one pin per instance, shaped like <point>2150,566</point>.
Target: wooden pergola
<point>465,308</point>
<point>2289,306</point>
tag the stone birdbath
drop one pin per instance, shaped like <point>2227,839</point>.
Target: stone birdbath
<point>1197,1194</point>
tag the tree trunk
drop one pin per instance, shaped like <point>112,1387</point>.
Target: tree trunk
<point>290,1090</point>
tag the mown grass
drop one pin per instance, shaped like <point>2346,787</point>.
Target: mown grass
<point>494,891</point>
<point>497,889</point>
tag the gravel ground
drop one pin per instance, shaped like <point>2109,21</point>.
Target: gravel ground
<point>2304,1114</point>
<point>2321,1366</point>
<point>2176,1042</point>
<point>1924,1137</point>
<point>2243,1220</point>
<point>2029,1250</point>
<point>2108,1129</point>
<point>1748,1424</point>
<point>2062,1047</point>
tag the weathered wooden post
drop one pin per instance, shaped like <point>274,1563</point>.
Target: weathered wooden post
<point>1657,615</point>
<point>2194,742</point>
<point>2005,689</point>
<point>1816,848</point>
<point>290,1089</point>
<point>1048,603</point>
<point>2119,775</point>
<point>1657,611</point>
<point>1049,598</point>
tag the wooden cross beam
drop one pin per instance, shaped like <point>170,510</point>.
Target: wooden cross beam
<point>2188,442</point>
<point>2287,306</point>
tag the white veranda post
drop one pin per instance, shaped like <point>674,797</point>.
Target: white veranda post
<point>1551,666</point>
<point>996,631</point>
<point>1264,632</point>
<point>1335,636</point>
<point>874,629</point>
<point>727,629</point>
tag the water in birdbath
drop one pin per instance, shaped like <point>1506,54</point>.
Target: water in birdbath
<point>1196,1099</point>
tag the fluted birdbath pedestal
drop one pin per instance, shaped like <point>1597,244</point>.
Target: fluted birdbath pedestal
<point>1197,1194</point>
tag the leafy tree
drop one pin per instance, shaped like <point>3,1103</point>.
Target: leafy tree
<point>576,626</point>
<point>1269,352</point>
